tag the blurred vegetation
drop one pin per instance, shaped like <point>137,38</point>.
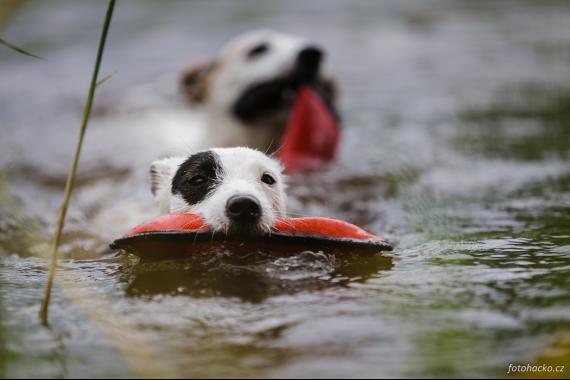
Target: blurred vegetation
<point>7,10</point>
<point>554,357</point>
<point>3,352</point>
<point>18,231</point>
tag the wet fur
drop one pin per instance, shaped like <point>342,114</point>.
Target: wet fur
<point>227,172</point>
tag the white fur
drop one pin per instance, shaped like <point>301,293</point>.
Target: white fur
<point>161,174</point>
<point>242,171</point>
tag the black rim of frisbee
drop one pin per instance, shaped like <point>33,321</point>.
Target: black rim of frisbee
<point>282,238</point>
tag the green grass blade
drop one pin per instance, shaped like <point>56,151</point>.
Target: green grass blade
<point>43,315</point>
<point>106,78</point>
<point>18,49</point>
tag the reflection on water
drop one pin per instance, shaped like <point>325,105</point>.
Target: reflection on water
<point>252,277</point>
<point>456,149</point>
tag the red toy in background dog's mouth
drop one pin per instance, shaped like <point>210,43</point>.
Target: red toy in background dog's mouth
<point>178,235</point>
<point>312,133</point>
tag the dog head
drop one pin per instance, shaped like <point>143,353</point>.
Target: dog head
<point>255,77</point>
<point>235,190</point>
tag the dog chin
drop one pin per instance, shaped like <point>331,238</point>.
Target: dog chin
<point>245,230</point>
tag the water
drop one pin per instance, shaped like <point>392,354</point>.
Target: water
<point>456,148</point>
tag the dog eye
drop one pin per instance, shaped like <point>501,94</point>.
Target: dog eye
<point>197,180</point>
<point>257,50</point>
<point>266,178</point>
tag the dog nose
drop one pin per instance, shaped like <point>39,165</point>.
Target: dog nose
<point>310,54</point>
<point>243,209</point>
<point>308,62</point>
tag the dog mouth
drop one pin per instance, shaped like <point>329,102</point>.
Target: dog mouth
<point>247,230</point>
<point>275,97</point>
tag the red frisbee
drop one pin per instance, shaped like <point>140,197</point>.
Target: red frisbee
<point>177,235</point>
<point>311,135</point>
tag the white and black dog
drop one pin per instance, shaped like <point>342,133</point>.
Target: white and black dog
<point>235,190</point>
<point>247,91</point>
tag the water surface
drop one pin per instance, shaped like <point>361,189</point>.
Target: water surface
<point>456,148</point>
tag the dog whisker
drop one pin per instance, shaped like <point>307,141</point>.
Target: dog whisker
<point>297,214</point>
<point>269,147</point>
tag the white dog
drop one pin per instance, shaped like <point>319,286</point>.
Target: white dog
<point>235,190</point>
<point>247,91</point>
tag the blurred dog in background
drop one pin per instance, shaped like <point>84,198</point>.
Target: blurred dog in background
<point>247,91</point>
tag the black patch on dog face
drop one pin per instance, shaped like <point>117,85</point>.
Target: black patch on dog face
<point>263,98</point>
<point>197,177</point>
<point>271,96</point>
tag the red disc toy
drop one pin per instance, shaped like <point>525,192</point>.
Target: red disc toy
<point>179,235</point>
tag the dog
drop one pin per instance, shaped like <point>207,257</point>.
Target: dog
<point>247,91</point>
<point>236,190</point>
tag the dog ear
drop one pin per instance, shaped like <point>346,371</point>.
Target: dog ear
<point>195,81</point>
<point>161,173</point>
